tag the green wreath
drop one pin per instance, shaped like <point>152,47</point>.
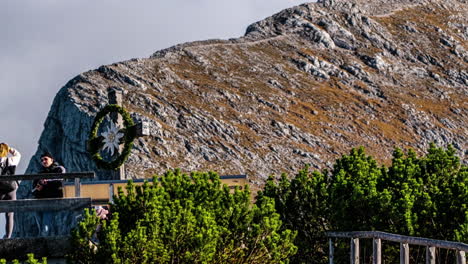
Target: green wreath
<point>95,142</point>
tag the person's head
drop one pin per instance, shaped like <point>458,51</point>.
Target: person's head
<point>4,150</point>
<point>47,159</point>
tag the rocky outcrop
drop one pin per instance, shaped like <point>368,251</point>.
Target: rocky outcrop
<point>302,86</point>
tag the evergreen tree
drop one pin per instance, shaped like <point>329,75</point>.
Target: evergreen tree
<point>357,198</point>
<point>185,219</point>
<point>300,202</point>
<point>425,197</point>
<point>430,194</point>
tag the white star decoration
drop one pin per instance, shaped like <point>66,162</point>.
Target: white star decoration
<point>112,138</point>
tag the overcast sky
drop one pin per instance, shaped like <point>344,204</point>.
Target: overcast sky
<point>45,43</point>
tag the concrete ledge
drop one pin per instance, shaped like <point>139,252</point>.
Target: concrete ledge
<point>51,247</point>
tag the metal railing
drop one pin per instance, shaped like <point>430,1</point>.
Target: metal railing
<point>405,241</point>
<point>53,204</point>
<point>15,248</point>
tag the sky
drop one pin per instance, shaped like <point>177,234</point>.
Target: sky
<point>45,43</point>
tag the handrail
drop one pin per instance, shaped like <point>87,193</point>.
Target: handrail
<point>221,177</point>
<point>401,239</point>
<point>68,175</point>
<point>405,241</point>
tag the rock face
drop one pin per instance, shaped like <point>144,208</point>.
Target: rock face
<point>301,87</point>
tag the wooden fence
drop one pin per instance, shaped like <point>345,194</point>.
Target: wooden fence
<point>405,241</point>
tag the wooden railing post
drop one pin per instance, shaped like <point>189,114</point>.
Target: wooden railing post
<point>461,257</point>
<point>331,250</point>
<point>354,250</point>
<point>430,255</point>
<point>377,251</point>
<point>404,253</point>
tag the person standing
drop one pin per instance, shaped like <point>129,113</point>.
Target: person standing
<point>47,188</point>
<point>9,159</point>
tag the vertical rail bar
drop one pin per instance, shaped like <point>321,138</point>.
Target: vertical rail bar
<point>430,255</point>
<point>111,193</point>
<point>377,251</point>
<point>404,253</point>
<point>354,250</point>
<point>461,257</point>
<point>77,187</point>
<point>331,251</point>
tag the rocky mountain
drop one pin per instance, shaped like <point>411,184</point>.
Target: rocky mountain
<point>302,86</point>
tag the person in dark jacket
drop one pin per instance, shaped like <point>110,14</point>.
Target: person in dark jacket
<point>47,188</point>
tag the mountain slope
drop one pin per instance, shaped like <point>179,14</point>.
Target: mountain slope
<point>302,86</point>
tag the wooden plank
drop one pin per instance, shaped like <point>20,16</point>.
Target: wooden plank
<point>377,251</point>
<point>404,253</point>
<point>402,239</point>
<point>51,204</point>
<point>430,255</point>
<point>354,251</point>
<point>71,175</point>
<point>50,247</point>
<point>94,191</point>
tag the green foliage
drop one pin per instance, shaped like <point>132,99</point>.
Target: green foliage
<point>82,237</point>
<point>29,260</point>
<point>300,202</point>
<point>357,199</point>
<point>430,195</point>
<point>185,219</point>
<point>425,197</point>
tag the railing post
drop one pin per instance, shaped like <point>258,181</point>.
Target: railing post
<point>461,257</point>
<point>354,250</point>
<point>430,255</point>
<point>404,253</point>
<point>111,193</point>
<point>77,187</point>
<point>331,250</point>
<point>377,251</point>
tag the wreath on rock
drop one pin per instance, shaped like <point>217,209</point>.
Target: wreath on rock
<point>112,138</point>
